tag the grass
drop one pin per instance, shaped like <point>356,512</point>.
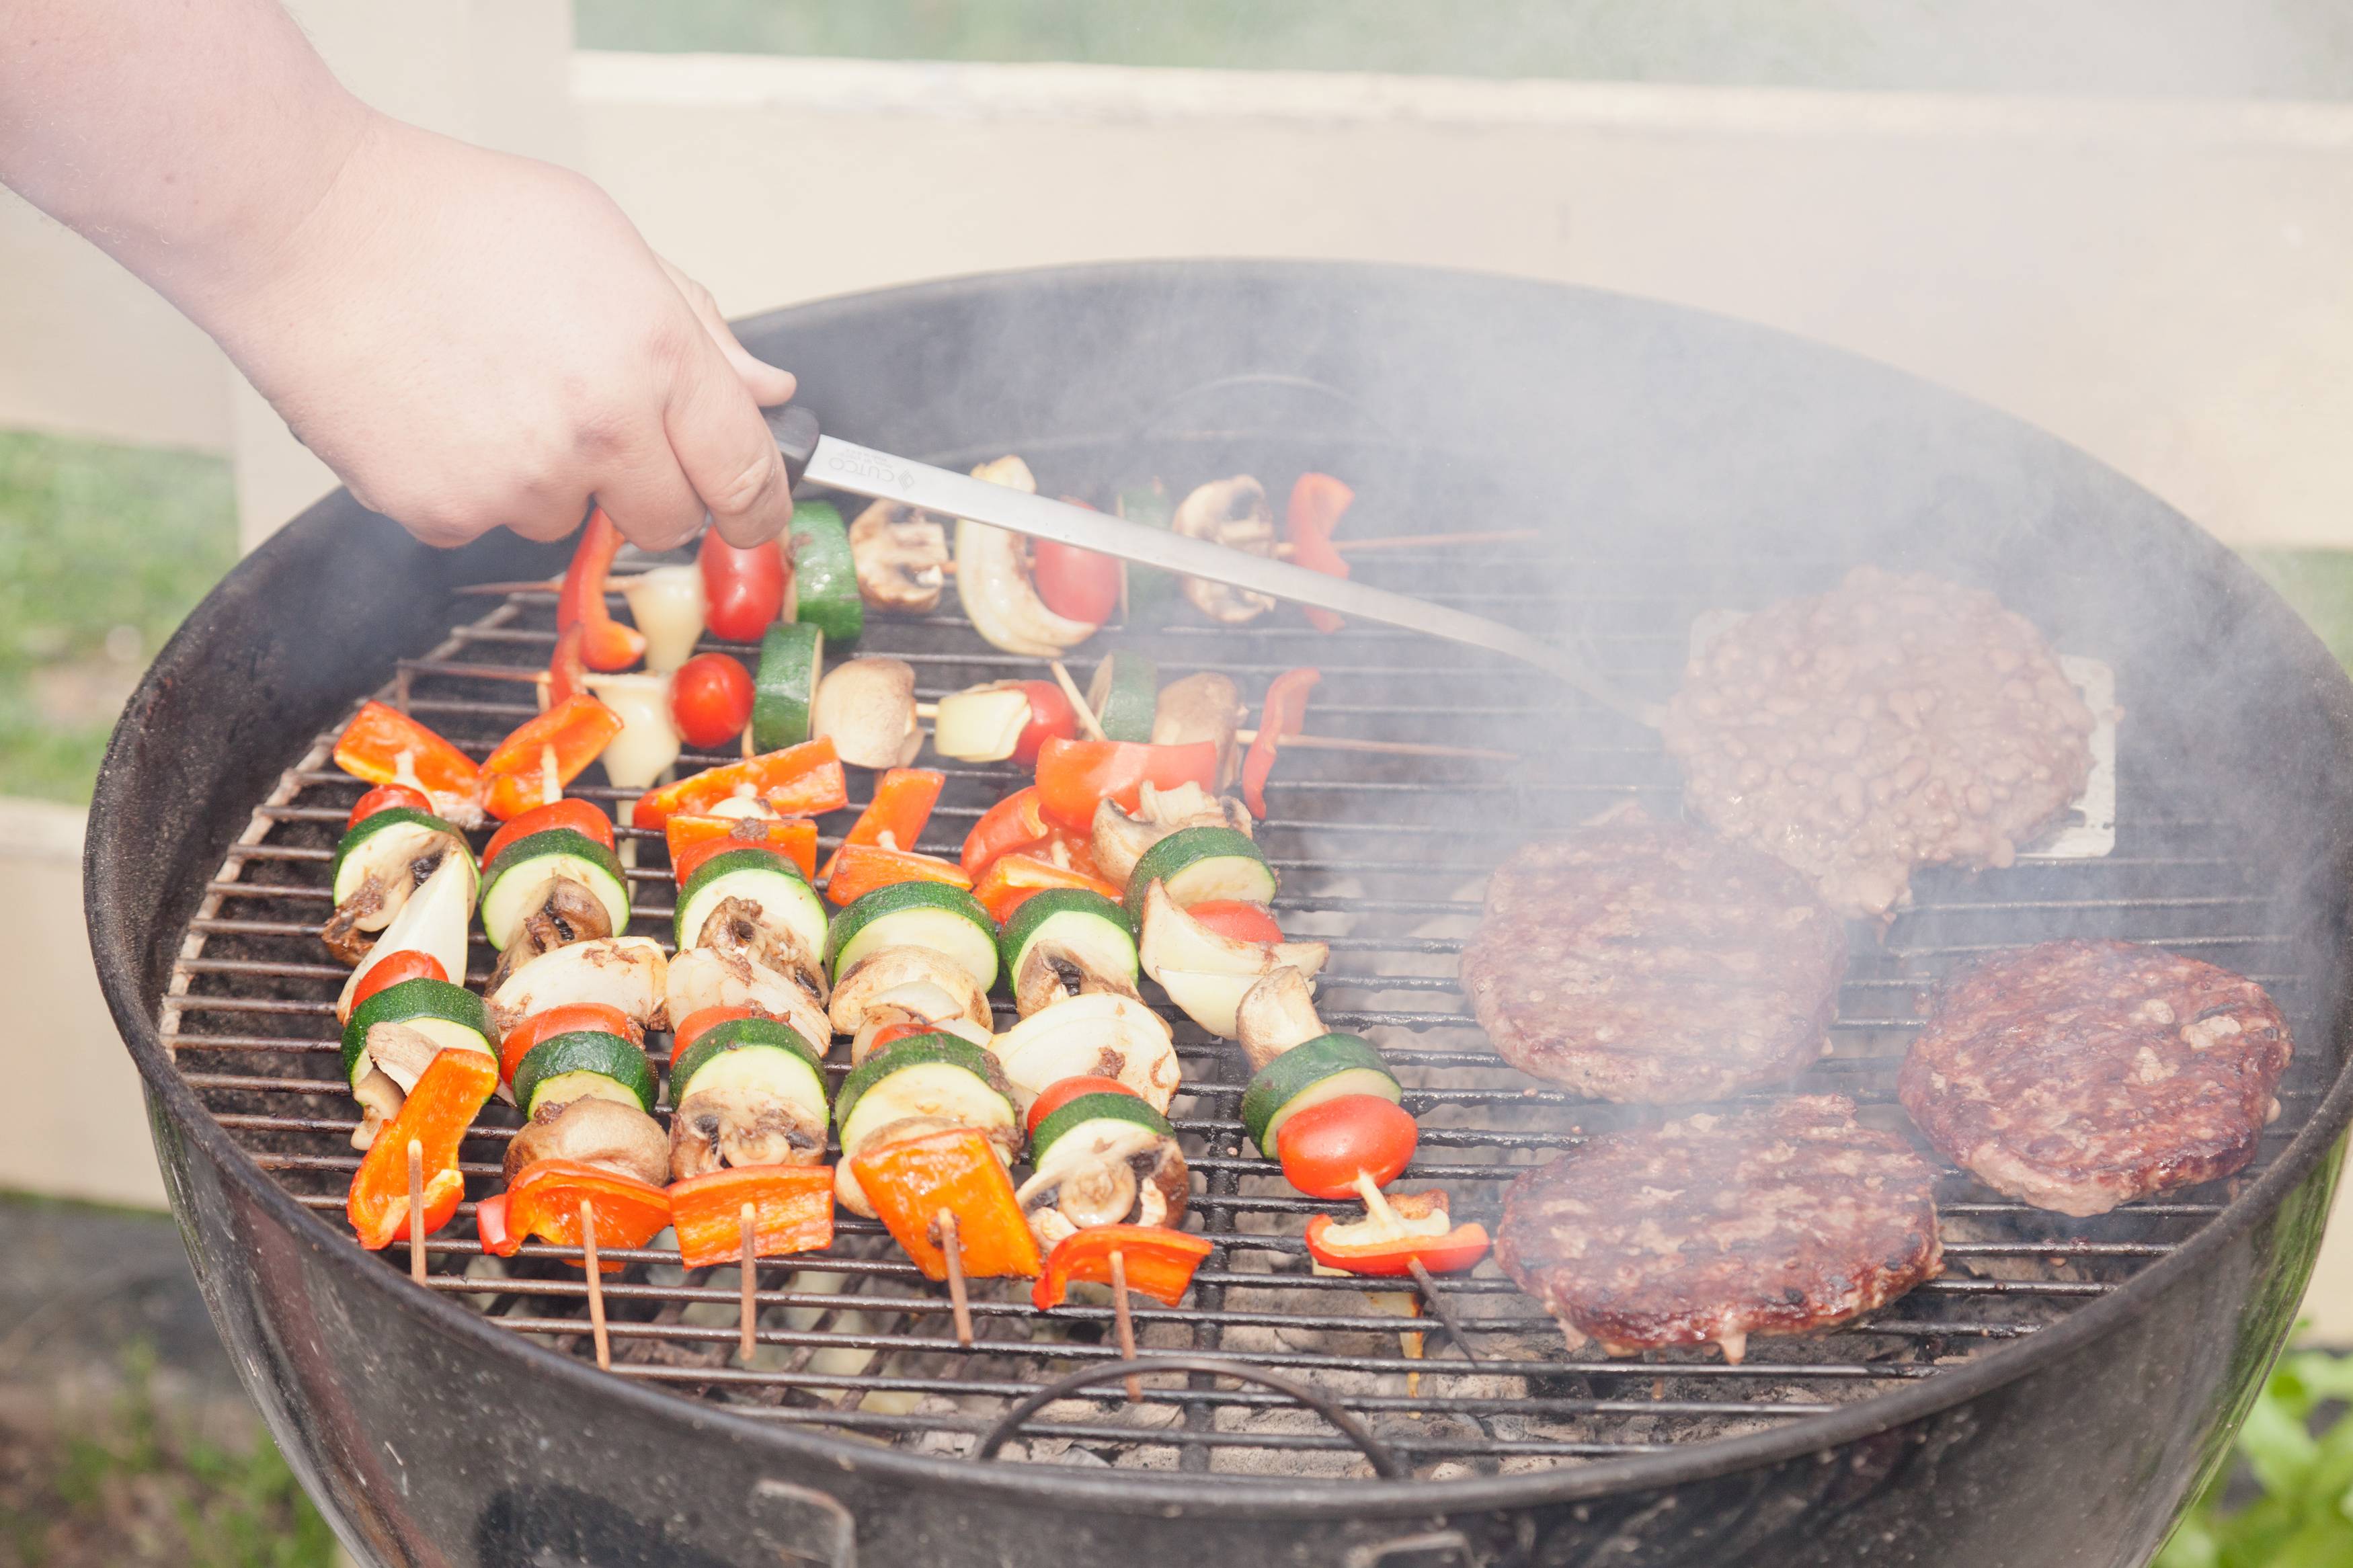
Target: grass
<point>102,549</point>
<point>142,1487</point>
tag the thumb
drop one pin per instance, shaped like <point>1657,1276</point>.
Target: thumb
<point>726,449</point>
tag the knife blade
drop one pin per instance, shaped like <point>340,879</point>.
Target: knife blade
<point>841,465</point>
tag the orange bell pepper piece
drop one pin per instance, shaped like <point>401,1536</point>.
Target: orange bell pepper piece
<point>449,1093</point>
<point>896,816</point>
<point>1158,1262</point>
<point>860,868</point>
<point>604,643</point>
<point>1285,710</point>
<point>1013,880</point>
<point>1076,776</point>
<point>1017,822</point>
<point>545,1201</point>
<point>571,735</point>
<point>373,743</point>
<point>567,671</point>
<point>911,1183</point>
<point>694,839</point>
<point>799,781</point>
<point>1317,501</point>
<point>792,1211</point>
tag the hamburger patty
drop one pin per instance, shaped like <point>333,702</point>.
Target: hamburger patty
<point>2081,1075</point>
<point>1892,723</point>
<point>1775,1221</point>
<point>1650,961</point>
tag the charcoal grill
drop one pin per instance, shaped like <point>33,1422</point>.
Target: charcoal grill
<point>2052,1399</point>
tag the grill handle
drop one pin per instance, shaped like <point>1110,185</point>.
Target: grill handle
<point>861,471</point>
<point>1385,1461</point>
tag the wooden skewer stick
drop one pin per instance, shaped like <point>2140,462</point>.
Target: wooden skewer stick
<point>1087,720</point>
<point>1444,1309</point>
<point>1125,1323</point>
<point>595,1287</point>
<point>416,1210</point>
<point>1411,1346</point>
<point>748,1344</point>
<point>957,1301</point>
<point>1386,748</point>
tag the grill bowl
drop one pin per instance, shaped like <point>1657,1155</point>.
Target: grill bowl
<point>1677,461</point>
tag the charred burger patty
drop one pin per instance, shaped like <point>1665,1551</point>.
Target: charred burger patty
<point>1892,723</point>
<point>1650,961</point>
<point>1775,1221</point>
<point>2081,1075</point>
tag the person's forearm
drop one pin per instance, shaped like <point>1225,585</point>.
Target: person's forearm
<point>188,138</point>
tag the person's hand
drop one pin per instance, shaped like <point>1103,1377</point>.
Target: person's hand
<point>471,340</point>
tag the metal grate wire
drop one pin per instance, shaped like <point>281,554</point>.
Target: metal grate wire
<point>1381,856</point>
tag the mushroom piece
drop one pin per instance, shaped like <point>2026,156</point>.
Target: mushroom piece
<point>704,977</point>
<point>743,1125</point>
<point>994,584</point>
<point>1233,512</point>
<point>395,860</point>
<point>1118,840</point>
<point>627,972</point>
<point>1106,1172</point>
<point>380,1101</point>
<point>564,912</point>
<point>866,708</point>
<point>917,980</point>
<point>596,1132</point>
<point>902,556</point>
<point>737,928</point>
<point>1202,707</point>
<point>1051,973</point>
<point>1275,1015</point>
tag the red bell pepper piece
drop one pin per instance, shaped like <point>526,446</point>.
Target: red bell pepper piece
<point>604,643</point>
<point>806,779</point>
<point>1076,776</point>
<point>792,1211</point>
<point>563,1020</point>
<point>379,740</point>
<point>1239,920</point>
<point>742,590</point>
<point>1158,1262</point>
<point>912,1181</point>
<point>1051,718</point>
<point>567,671</point>
<point>1317,501</point>
<point>1283,713</point>
<point>860,868</point>
<point>384,797</point>
<point>1015,822</point>
<point>1448,1252</point>
<point>1013,880</point>
<point>449,1093</point>
<point>583,817</point>
<point>694,839</point>
<point>572,734</point>
<point>896,816</point>
<point>545,1201</point>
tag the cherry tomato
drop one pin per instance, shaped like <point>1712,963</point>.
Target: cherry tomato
<point>384,797</point>
<point>396,967</point>
<point>686,1032</point>
<point>581,817</point>
<point>1061,1091</point>
<point>1080,584</point>
<point>563,1020</point>
<point>1323,1146</point>
<point>710,700</point>
<point>743,590</point>
<point>1236,919</point>
<point>1051,718</point>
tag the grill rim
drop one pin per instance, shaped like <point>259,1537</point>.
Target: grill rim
<point>119,935</point>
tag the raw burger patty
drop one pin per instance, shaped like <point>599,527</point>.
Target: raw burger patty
<point>1892,723</point>
<point>2081,1075</point>
<point>1774,1221</point>
<point>1652,961</point>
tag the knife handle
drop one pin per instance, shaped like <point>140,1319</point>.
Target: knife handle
<point>794,428</point>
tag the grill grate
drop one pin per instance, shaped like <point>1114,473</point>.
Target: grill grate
<point>1381,856</point>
